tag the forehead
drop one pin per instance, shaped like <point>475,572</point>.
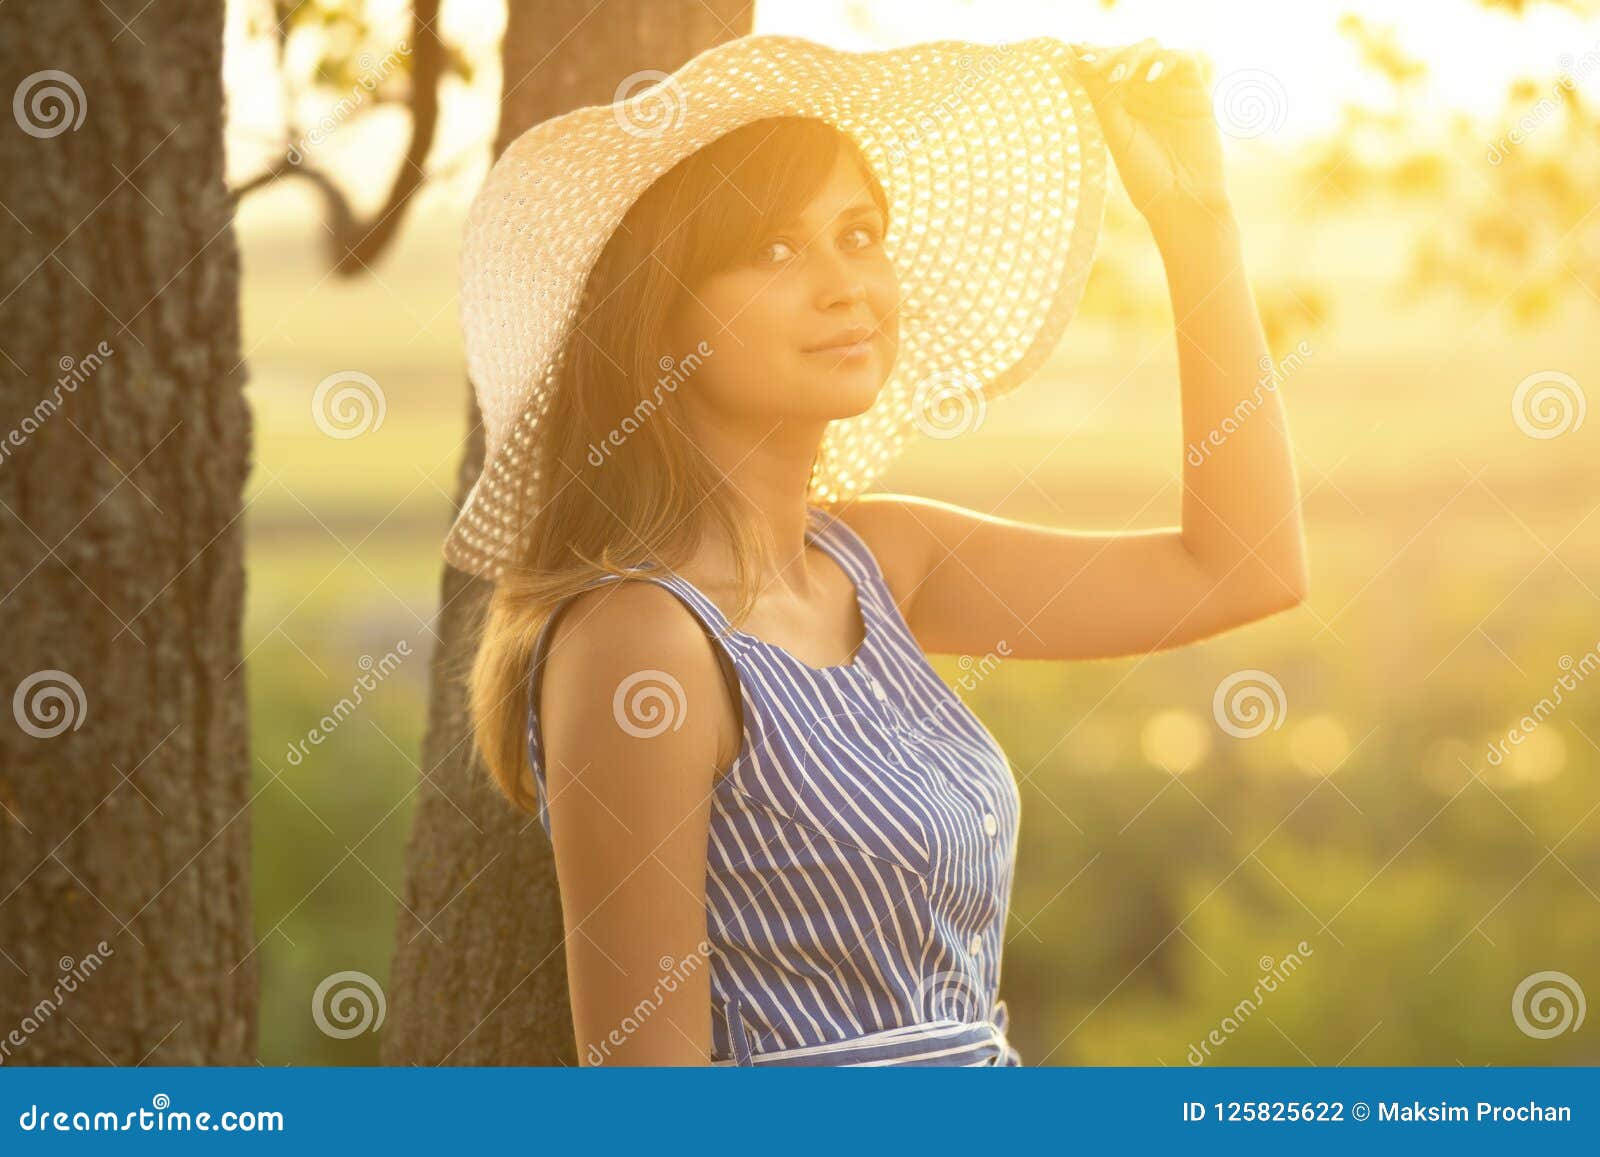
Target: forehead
<point>845,187</point>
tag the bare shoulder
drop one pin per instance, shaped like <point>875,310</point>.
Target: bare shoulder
<point>633,698</point>
<point>631,674</point>
<point>627,615</point>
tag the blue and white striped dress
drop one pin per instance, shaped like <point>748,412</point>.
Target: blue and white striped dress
<point>861,850</point>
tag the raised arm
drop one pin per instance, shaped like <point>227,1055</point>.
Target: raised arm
<point>635,718</point>
<point>967,581</point>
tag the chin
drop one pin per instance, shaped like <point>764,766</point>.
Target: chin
<point>850,395</point>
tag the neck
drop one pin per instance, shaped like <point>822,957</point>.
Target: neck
<point>771,480</point>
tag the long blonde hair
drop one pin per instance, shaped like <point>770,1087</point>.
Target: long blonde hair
<point>651,494</point>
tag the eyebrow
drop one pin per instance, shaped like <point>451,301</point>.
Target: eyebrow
<point>848,211</point>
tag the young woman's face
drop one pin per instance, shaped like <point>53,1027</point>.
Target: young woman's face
<point>807,285</point>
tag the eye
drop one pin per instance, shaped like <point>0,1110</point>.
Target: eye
<point>870,237</point>
<point>760,253</point>
<point>870,232</point>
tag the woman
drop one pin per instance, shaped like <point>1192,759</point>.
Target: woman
<point>779,837</point>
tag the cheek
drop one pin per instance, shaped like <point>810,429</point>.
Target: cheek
<point>886,303</point>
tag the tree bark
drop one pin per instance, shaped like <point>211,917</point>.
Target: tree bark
<point>479,970</point>
<point>125,900</point>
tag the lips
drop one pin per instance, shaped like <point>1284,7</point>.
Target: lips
<point>842,341</point>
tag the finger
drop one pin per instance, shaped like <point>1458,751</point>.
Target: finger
<point>1171,70</point>
<point>1149,90</point>
<point>1168,87</point>
<point>1092,48</point>
<point>1133,62</point>
<point>1102,57</point>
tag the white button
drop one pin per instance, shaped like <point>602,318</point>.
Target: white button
<point>877,689</point>
<point>990,824</point>
<point>976,945</point>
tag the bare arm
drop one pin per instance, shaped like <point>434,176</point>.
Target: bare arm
<point>630,780</point>
<point>966,581</point>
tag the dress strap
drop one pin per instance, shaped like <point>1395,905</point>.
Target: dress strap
<point>851,552</point>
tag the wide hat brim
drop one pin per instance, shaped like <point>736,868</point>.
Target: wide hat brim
<point>995,170</point>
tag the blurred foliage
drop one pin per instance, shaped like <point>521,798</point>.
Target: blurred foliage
<point>1509,212</point>
<point>341,39</point>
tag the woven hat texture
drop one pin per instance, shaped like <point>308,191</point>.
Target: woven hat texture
<point>995,170</point>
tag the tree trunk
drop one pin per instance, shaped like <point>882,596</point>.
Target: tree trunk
<point>125,920</point>
<point>479,971</point>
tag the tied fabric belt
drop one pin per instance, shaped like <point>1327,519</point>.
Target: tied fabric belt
<point>934,1042</point>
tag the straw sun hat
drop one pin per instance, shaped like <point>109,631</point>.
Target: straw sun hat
<point>995,172</point>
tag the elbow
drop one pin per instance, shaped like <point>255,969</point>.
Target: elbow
<point>1299,582</point>
<point>1288,593</point>
<point>1278,589</point>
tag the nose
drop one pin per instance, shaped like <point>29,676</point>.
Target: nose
<point>848,296</point>
<point>841,282</point>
